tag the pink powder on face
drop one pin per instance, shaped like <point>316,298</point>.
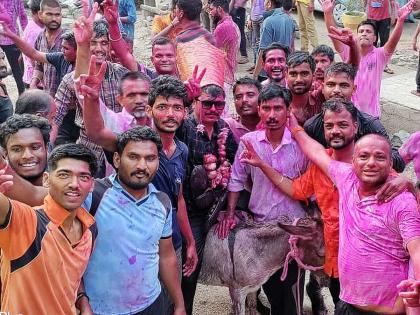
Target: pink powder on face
<point>410,152</point>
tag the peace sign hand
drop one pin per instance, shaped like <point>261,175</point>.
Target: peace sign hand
<point>193,85</point>
<point>90,84</point>
<point>83,27</point>
<point>110,11</point>
<point>327,5</point>
<point>250,156</point>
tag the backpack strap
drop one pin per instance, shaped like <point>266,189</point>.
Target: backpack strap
<point>101,186</point>
<point>165,201</point>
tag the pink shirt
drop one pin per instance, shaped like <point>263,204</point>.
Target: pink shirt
<point>227,37</point>
<point>236,127</point>
<point>410,151</point>
<point>368,80</point>
<point>267,202</point>
<point>30,34</point>
<point>372,258</point>
<point>378,9</point>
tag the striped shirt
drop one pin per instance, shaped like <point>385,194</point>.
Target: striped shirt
<point>193,33</point>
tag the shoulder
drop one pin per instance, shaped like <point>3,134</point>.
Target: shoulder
<point>253,135</point>
<point>117,69</point>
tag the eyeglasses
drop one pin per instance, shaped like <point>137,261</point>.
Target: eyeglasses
<point>209,104</point>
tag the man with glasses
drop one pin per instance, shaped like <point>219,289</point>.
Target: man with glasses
<point>201,133</point>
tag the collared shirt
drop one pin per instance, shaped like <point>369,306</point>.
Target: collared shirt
<point>193,33</point>
<point>50,74</point>
<point>39,264</point>
<point>366,124</point>
<point>30,34</point>
<point>62,66</point>
<point>228,38</point>
<point>373,241</point>
<point>368,79</point>
<point>199,144</point>
<point>287,159</point>
<point>127,8</point>
<point>410,151</point>
<point>160,22</point>
<point>278,28</point>
<point>316,182</point>
<point>16,11</point>
<point>237,128</point>
<point>122,275</point>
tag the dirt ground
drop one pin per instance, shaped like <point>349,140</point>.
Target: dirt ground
<point>215,300</point>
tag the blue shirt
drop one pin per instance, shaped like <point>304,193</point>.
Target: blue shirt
<point>127,8</point>
<point>122,274</point>
<point>62,66</point>
<point>277,28</point>
<point>169,177</point>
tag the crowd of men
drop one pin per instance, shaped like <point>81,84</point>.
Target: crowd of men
<point>109,169</point>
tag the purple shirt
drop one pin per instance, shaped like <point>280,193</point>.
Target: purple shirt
<point>410,151</point>
<point>16,11</point>
<point>257,10</point>
<point>30,35</point>
<point>372,258</point>
<point>287,159</point>
<point>237,128</point>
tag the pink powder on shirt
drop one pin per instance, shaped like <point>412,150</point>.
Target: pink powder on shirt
<point>410,152</point>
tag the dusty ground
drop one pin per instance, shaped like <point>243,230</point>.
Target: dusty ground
<point>215,300</point>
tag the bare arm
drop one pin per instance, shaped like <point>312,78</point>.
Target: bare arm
<point>185,227</point>
<point>168,270</point>
<point>258,65</point>
<point>328,6</point>
<point>166,30</point>
<point>395,36</point>
<point>6,181</point>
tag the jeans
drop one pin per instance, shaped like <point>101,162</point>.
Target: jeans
<point>343,308</point>
<point>281,294</point>
<point>238,16</point>
<point>13,53</point>
<point>189,284</point>
<point>384,28</point>
<point>156,308</point>
<point>255,37</point>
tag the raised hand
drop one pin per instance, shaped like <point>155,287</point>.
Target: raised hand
<point>83,27</point>
<point>193,85</point>
<point>90,84</point>
<point>327,5</point>
<point>249,155</point>
<point>343,35</point>
<point>405,10</point>
<point>110,11</point>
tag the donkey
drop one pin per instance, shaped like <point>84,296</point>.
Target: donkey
<point>253,252</point>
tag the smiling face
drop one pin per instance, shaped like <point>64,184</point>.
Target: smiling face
<point>339,129</point>
<point>338,85</point>
<point>322,62</point>
<point>134,97</point>
<point>69,183</point>
<point>100,48</point>
<point>372,160</point>
<point>366,35</point>
<point>299,78</point>
<point>275,65</point>
<point>27,153</point>
<point>273,113</point>
<point>246,99</point>
<point>137,164</point>
<point>164,59</point>
<point>167,114</point>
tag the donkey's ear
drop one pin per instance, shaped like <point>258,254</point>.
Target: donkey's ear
<point>303,227</point>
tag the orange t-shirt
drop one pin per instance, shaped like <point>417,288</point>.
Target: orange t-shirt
<point>315,182</point>
<point>40,269</point>
<point>160,22</point>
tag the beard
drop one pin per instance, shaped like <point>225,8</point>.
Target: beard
<point>136,185</point>
<point>53,26</point>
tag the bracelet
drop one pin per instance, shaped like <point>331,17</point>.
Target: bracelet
<point>115,40</point>
<point>81,295</point>
<point>296,129</point>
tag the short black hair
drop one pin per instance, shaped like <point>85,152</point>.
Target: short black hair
<point>372,24</point>
<point>338,105</point>
<point>162,40</point>
<point>50,3</point>
<point>132,76</point>
<point>100,28</point>
<point>275,46</point>
<point>17,122</point>
<point>139,133</point>
<point>276,3</point>
<point>191,8</point>
<point>173,4</point>
<point>271,91</point>
<point>341,67</point>
<point>68,36</point>
<point>213,90</point>
<point>299,57</point>
<point>34,6</point>
<point>323,50</point>
<point>224,4</point>
<point>287,5</point>
<point>168,86</point>
<point>74,151</point>
<point>247,81</point>
<point>33,101</point>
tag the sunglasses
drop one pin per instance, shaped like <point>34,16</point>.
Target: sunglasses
<point>209,104</point>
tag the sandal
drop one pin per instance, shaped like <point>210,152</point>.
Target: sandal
<point>388,70</point>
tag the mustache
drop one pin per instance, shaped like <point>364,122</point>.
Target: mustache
<point>272,121</point>
<point>170,121</point>
<point>139,173</point>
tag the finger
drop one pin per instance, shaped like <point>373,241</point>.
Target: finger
<point>85,8</point>
<point>409,295</point>
<point>93,12</point>
<point>102,70</point>
<point>200,77</point>
<point>92,65</point>
<point>337,37</point>
<point>194,74</point>
<point>404,285</point>
<point>382,193</point>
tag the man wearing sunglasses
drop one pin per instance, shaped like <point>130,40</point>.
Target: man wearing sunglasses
<point>200,133</point>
